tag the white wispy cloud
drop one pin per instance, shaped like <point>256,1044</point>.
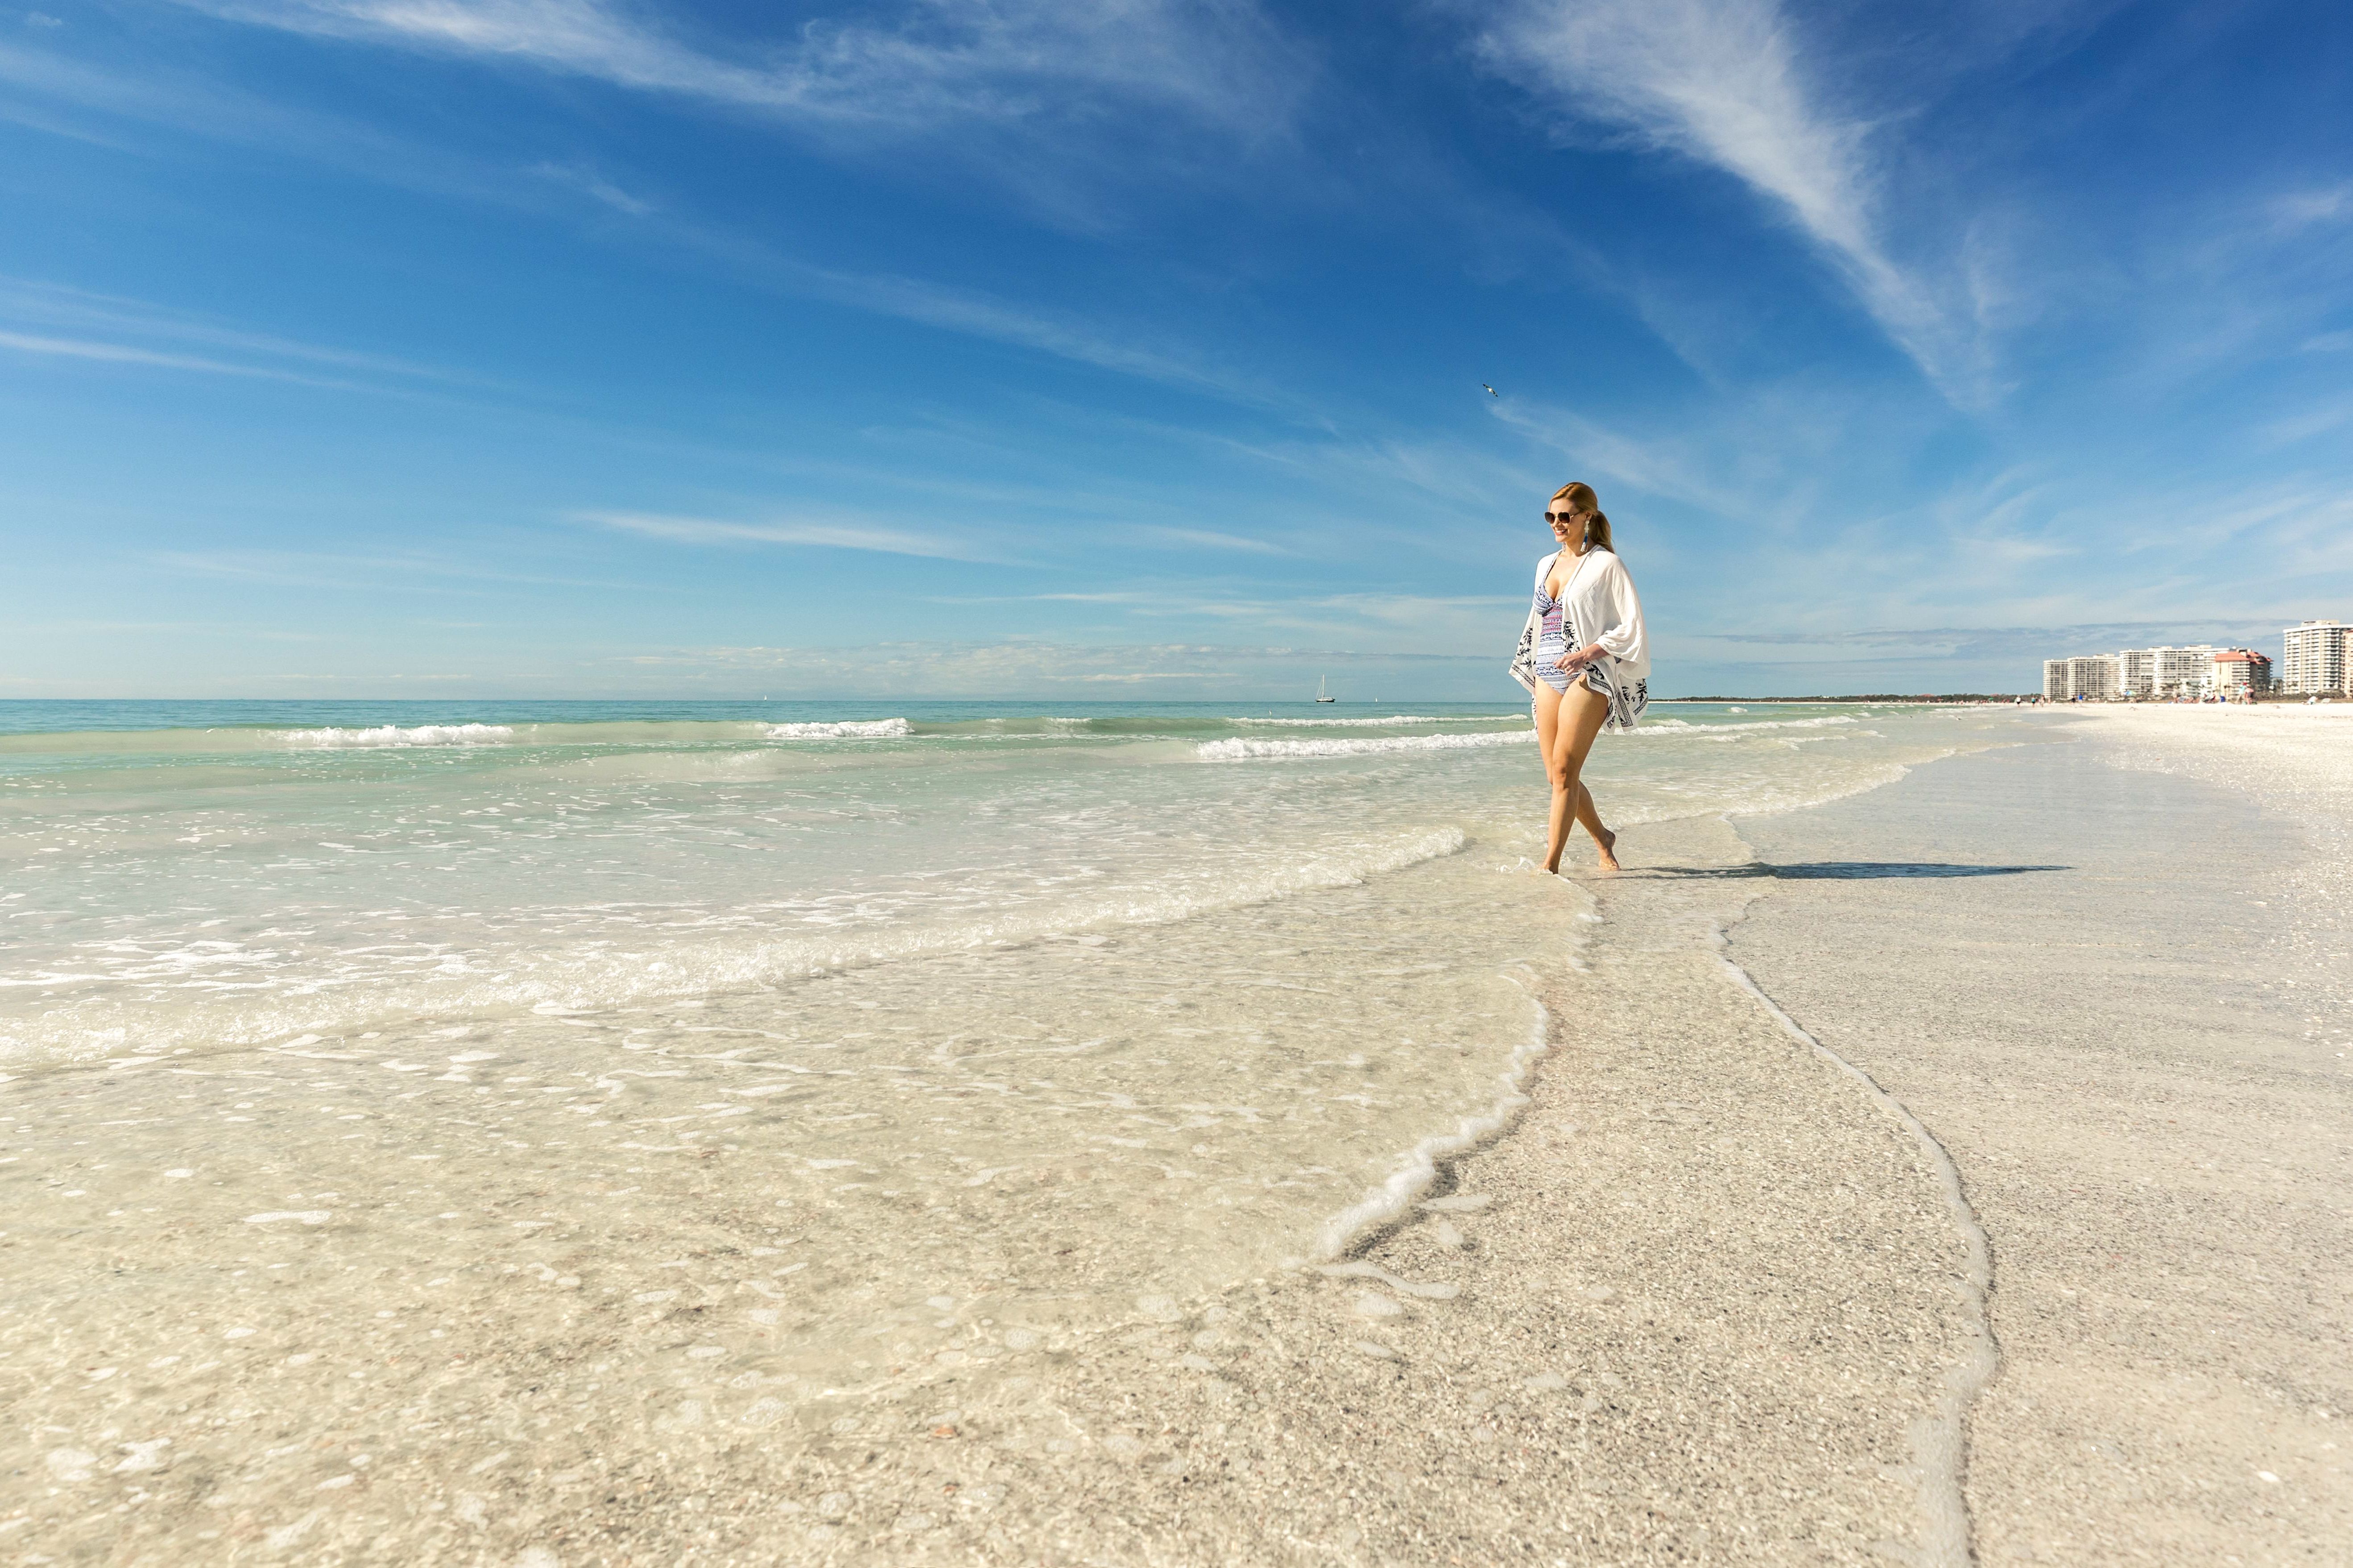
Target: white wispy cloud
<point>366,573</point>
<point>33,302</point>
<point>207,110</point>
<point>2303,209</point>
<point>1397,624</point>
<point>1203,539</point>
<point>590,183</point>
<point>1137,678</point>
<point>1122,348</point>
<point>122,354</point>
<point>1726,83</point>
<point>1434,494</point>
<point>1655,467</point>
<point>976,315</point>
<point>937,63</point>
<point>837,535</point>
<point>1075,108</point>
<point>184,103</point>
<point>1016,667</point>
<point>2318,420</point>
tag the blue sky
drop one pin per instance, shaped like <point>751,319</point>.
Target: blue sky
<point>1133,348</point>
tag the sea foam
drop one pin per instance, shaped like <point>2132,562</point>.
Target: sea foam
<point>261,997</point>
<point>398,735</point>
<point>846,730</point>
<point>1240,749</point>
<point>1384,720</point>
<point>1418,1171</point>
<point>1685,728</point>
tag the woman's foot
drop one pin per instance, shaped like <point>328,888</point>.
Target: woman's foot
<point>1608,844</point>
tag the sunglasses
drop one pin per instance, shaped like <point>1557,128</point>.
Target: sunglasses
<point>1560,517</point>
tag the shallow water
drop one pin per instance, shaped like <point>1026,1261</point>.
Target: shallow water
<point>730,1064</point>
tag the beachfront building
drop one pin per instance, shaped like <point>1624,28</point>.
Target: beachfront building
<point>2149,672</point>
<point>2137,672</point>
<point>2186,671</point>
<point>2317,656</point>
<point>2241,672</point>
<point>2089,677</point>
<point>2093,676</point>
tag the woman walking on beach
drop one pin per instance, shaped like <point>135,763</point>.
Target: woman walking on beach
<point>1583,657</point>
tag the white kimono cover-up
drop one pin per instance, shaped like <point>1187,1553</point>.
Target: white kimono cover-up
<point>1597,606</point>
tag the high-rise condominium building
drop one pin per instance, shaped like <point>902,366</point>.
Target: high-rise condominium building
<point>2167,671</point>
<point>2240,671</point>
<point>2088,676</point>
<point>2317,656</point>
<point>2137,672</point>
<point>2186,671</point>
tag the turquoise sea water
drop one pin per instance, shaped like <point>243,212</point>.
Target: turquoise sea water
<point>68,716</point>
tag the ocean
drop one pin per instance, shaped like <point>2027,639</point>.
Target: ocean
<point>754,1059</point>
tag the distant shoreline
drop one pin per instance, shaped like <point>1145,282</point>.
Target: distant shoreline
<point>2295,697</point>
<point>1873,697</point>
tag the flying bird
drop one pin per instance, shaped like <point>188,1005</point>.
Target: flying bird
<point>1491,391</point>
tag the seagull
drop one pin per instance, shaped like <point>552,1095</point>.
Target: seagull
<point>1491,391</point>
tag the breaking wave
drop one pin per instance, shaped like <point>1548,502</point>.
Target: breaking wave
<point>238,995</point>
<point>1240,750</point>
<point>847,730</point>
<point>396,735</point>
<point>1386,720</point>
<point>1685,727</point>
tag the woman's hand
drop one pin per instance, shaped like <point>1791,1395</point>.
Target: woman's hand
<point>1575,660</point>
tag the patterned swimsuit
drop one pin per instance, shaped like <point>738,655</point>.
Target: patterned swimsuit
<point>1553,633</point>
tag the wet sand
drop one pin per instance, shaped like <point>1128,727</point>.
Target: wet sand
<point>1693,1307</point>
<point>2145,1085</point>
<point>1708,1299</point>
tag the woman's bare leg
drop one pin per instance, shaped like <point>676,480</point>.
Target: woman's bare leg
<point>1579,719</point>
<point>1603,838</point>
<point>1547,707</point>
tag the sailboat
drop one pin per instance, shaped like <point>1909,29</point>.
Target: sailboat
<point>1319,691</point>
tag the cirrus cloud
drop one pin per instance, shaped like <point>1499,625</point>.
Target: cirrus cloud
<point>1728,83</point>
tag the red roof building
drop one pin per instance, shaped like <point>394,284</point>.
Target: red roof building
<point>2242,670</point>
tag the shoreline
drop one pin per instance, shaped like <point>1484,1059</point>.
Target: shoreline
<point>1939,1440</point>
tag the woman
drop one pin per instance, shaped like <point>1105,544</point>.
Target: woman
<point>1584,658</point>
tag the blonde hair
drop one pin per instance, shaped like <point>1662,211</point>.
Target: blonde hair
<point>1580,497</point>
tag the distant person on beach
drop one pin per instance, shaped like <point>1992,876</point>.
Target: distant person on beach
<point>1584,658</point>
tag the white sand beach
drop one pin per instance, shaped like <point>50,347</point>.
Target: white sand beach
<point>1709,1296</point>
